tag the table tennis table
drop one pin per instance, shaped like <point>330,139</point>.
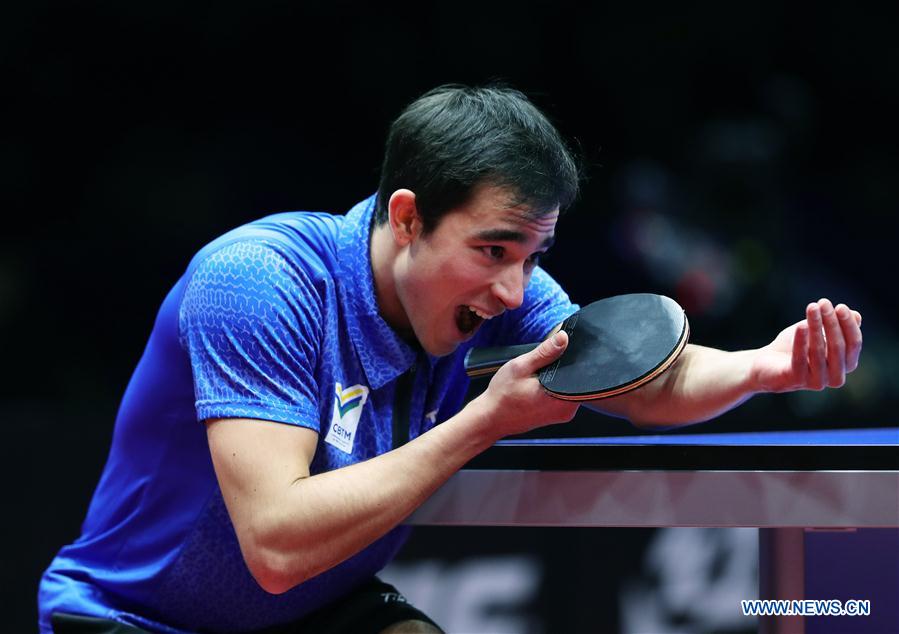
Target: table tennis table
<point>784,483</point>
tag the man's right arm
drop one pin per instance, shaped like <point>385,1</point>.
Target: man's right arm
<point>292,526</point>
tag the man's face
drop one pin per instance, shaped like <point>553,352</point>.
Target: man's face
<point>473,267</point>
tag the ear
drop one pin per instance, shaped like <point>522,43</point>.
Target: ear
<point>402,216</point>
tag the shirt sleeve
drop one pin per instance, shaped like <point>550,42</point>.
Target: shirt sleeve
<point>250,321</point>
<point>544,307</point>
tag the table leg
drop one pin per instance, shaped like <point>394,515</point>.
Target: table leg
<point>781,575</point>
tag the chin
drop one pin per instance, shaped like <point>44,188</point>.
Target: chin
<point>441,351</point>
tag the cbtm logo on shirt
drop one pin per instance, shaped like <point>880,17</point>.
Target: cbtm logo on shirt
<point>348,404</point>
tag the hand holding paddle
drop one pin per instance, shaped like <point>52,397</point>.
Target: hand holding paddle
<point>515,389</point>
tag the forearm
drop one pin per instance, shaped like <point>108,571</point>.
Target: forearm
<point>702,384</point>
<point>317,522</point>
<point>292,526</point>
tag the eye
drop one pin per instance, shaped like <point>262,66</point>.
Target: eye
<point>494,252</point>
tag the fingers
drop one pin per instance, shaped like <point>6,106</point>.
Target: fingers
<point>835,343</point>
<point>800,354</point>
<point>850,322</point>
<point>544,354</point>
<point>817,349</point>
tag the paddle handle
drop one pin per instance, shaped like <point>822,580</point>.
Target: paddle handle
<point>483,361</point>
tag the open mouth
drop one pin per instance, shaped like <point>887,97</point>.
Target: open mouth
<point>467,320</point>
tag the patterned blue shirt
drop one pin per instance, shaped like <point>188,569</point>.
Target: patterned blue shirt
<point>276,320</point>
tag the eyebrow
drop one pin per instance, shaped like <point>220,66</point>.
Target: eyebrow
<point>510,235</point>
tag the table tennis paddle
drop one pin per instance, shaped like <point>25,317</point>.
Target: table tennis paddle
<point>614,345</point>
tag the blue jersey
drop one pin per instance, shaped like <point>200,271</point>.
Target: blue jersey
<point>276,320</point>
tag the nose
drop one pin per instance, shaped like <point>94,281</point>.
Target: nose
<point>509,287</point>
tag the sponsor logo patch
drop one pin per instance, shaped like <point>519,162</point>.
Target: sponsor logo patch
<point>348,404</point>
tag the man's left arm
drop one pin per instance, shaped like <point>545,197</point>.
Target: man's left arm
<point>812,354</point>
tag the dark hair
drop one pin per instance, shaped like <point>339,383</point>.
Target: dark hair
<point>455,138</point>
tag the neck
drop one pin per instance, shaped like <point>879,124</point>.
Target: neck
<point>383,267</point>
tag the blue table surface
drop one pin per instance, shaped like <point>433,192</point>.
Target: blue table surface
<point>880,436</point>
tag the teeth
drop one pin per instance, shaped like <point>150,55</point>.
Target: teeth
<point>479,313</point>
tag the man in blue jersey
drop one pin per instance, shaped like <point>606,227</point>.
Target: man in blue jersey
<point>301,392</point>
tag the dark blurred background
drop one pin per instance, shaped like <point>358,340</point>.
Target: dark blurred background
<point>741,158</point>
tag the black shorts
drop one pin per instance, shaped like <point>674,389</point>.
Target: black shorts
<point>368,609</point>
